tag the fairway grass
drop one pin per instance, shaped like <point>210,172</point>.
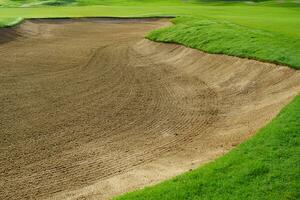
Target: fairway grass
<point>285,20</point>
<point>264,167</point>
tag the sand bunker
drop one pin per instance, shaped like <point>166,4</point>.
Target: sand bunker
<point>90,109</point>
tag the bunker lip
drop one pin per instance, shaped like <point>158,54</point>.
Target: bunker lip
<point>11,33</point>
<point>91,110</point>
<point>7,34</point>
<point>57,20</point>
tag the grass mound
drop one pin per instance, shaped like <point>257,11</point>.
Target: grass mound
<point>6,22</point>
<point>231,39</point>
<point>264,167</point>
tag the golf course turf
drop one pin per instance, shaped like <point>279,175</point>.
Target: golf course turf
<point>227,38</point>
<point>242,92</point>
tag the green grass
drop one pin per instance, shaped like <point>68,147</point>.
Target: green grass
<point>267,166</point>
<point>231,39</point>
<point>268,18</point>
<point>39,3</point>
<point>262,17</point>
<point>5,22</point>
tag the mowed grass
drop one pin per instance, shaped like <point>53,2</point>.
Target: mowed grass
<point>267,166</point>
<point>273,18</point>
<point>38,3</point>
<point>223,37</point>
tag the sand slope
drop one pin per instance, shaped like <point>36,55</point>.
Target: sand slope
<point>90,109</point>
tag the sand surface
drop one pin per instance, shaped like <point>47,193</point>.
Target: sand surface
<point>90,109</point>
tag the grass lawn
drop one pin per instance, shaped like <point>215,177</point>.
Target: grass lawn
<point>223,37</point>
<point>268,165</point>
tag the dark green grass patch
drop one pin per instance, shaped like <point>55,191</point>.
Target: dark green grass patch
<point>265,167</point>
<point>223,37</point>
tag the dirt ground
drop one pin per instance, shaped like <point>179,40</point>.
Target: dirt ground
<point>90,109</point>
